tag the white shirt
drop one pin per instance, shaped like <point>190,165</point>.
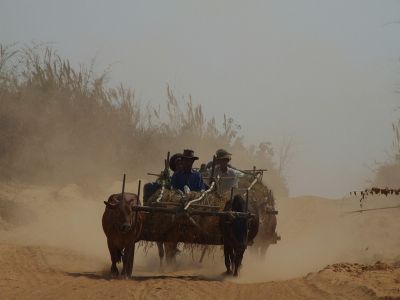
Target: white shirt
<point>228,179</point>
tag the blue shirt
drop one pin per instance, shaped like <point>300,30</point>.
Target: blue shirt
<point>192,179</point>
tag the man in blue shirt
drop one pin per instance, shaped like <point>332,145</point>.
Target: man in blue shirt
<point>186,176</point>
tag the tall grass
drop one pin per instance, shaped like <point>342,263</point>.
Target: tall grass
<point>59,123</point>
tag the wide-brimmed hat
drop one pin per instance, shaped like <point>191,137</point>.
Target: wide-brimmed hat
<point>223,154</point>
<point>187,153</point>
<point>174,160</point>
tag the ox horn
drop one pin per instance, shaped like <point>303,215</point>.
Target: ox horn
<point>110,205</point>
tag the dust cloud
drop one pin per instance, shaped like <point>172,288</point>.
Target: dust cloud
<point>315,232</point>
<point>66,143</point>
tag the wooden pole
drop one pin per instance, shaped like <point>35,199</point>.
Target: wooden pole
<point>178,210</point>
<point>166,168</point>
<point>166,162</point>
<point>153,174</point>
<point>138,192</point>
<point>137,204</point>
<point>123,187</point>
<point>212,170</point>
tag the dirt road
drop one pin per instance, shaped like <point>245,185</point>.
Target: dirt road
<point>31,272</point>
<point>52,247</point>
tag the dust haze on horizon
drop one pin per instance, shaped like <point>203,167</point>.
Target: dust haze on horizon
<point>323,74</point>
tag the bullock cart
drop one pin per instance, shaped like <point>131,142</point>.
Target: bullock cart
<point>192,218</point>
<point>196,218</point>
<point>200,218</point>
<point>205,218</point>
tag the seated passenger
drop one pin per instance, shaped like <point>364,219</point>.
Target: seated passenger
<point>229,177</point>
<point>187,176</point>
<point>175,164</point>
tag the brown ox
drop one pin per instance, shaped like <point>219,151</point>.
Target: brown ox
<point>267,230</point>
<point>122,227</point>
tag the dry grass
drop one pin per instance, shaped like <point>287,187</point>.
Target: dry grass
<point>58,123</point>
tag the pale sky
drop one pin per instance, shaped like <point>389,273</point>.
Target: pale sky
<point>321,72</point>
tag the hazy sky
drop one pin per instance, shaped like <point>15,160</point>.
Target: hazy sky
<point>321,72</point>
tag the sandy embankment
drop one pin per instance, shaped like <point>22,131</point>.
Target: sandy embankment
<point>52,246</point>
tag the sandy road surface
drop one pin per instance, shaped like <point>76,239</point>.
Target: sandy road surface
<point>52,247</point>
<point>32,272</point>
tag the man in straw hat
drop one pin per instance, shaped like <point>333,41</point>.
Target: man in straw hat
<point>229,177</point>
<point>187,176</point>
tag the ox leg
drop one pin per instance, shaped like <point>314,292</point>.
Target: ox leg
<point>115,257</point>
<point>238,261</point>
<point>255,249</point>
<point>203,253</point>
<point>171,250</point>
<point>263,250</point>
<point>161,253</point>
<point>131,260</point>
<point>127,260</point>
<point>228,255</point>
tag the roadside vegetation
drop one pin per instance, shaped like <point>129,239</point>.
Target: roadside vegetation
<point>64,124</point>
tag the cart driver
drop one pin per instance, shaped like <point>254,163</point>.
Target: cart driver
<point>186,176</point>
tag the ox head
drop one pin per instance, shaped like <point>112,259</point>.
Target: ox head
<point>123,207</point>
